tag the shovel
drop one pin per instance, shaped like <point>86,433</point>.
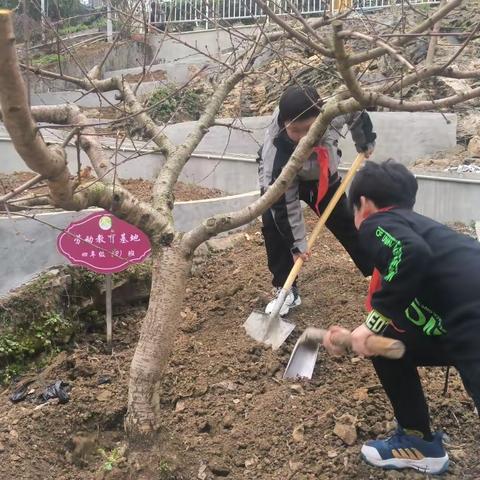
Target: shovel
<point>271,329</point>
<point>304,355</point>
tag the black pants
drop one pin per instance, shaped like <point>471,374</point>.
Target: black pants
<point>340,223</point>
<point>400,378</point>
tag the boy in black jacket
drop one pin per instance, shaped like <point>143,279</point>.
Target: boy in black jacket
<point>428,297</point>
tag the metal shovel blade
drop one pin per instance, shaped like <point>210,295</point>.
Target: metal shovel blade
<point>263,328</point>
<point>303,359</point>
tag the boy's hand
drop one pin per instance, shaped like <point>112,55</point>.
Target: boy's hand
<point>305,256</point>
<point>332,349</point>
<point>359,337</point>
<point>369,150</point>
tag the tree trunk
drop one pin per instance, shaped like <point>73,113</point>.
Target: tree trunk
<point>170,270</point>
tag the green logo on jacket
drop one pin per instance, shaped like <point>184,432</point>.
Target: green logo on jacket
<point>396,246</point>
<point>424,317</point>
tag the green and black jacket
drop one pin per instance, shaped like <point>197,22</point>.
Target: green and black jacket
<point>430,273</point>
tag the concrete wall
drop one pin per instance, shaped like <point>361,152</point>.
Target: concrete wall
<point>448,199</point>
<point>90,100</point>
<point>185,52</point>
<point>28,247</point>
<point>93,100</point>
<point>124,55</point>
<point>404,136</point>
<point>177,74</point>
<point>212,42</point>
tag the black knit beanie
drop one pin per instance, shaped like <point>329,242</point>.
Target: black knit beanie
<point>299,103</point>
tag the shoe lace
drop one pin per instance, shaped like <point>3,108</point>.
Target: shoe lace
<point>397,438</point>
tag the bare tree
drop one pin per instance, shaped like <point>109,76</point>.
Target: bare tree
<point>172,252</point>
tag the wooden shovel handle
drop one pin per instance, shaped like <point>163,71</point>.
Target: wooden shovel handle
<point>324,217</point>
<point>383,346</point>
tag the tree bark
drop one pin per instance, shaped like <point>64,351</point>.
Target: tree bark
<point>47,161</point>
<point>170,270</point>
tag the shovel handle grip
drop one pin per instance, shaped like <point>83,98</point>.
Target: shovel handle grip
<point>378,345</point>
<point>324,217</point>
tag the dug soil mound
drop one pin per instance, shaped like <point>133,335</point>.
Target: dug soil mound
<point>183,192</point>
<point>227,412</point>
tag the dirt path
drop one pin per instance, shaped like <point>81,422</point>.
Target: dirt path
<point>224,405</point>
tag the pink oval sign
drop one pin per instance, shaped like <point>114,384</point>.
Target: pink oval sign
<point>103,243</point>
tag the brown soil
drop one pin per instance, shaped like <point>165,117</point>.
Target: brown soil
<point>149,76</point>
<point>224,405</point>
<point>141,188</point>
<point>183,192</point>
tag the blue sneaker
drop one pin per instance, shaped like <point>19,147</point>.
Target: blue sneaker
<point>407,451</point>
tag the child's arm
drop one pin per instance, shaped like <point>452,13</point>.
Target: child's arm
<point>362,132</point>
<point>403,259</point>
<point>287,213</point>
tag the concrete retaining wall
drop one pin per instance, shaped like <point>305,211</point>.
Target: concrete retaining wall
<point>93,100</point>
<point>448,199</point>
<point>177,76</point>
<point>28,247</point>
<point>404,136</point>
<point>124,55</point>
<point>175,56</point>
<point>212,42</point>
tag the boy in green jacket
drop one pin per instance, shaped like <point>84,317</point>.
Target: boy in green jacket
<point>428,296</point>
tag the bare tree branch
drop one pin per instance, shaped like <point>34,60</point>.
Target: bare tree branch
<point>345,70</point>
<point>91,84</point>
<point>133,105</point>
<point>313,24</point>
<point>47,161</point>
<point>71,114</point>
<point>376,98</point>
<point>50,162</point>
<point>426,73</point>
<point>426,24</point>
<point>432,46</point>
<point>463,46</point>
<point>28,184</point>
<point>162,191</point>
<point>151,128</point>
<point>302,38</point>
<point>388,48</point>
<point>306,26</point>
<point>125,24</point>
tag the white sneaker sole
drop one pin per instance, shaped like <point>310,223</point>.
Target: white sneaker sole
<point>433,466</point>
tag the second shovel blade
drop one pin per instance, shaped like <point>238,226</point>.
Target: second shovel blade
<point>303,359</point>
